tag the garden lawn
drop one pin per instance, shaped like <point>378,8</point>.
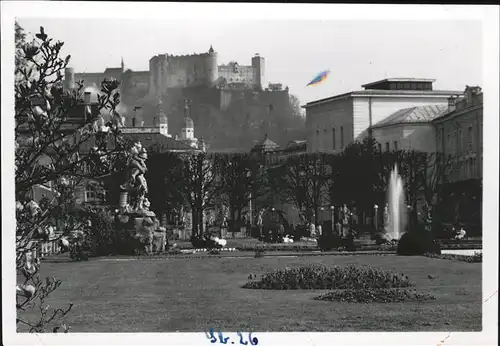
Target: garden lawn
<point>190,294</point>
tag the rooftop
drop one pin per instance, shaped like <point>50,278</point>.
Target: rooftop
<point>147,139</point>
<point>462,105</point>
<point>265,145</point>
<point>361,93</point>
<point>400,80</point>
<point>422,114</point>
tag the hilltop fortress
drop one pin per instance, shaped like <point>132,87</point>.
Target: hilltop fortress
<point>182,71</point>
<point>231,105</point>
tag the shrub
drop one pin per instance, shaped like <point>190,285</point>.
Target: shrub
<point>379,238</point>
<point>328,241</point>
<point>476,258</point>
<point>174,251</point>
<point>259,252</point>
<point>417,243</point>
<point>388,246</point>
<point>204,243</point>
<point>329,277</point>
<point>382,295</point>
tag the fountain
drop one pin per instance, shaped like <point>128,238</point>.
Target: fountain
<point>395,209</point>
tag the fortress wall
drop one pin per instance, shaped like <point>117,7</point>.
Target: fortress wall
<point>244,74</point>
<point>191,70</point>
<point>139,79</point>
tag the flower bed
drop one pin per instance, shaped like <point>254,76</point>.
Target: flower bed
<point>476,258</point>
<point>458,246</point>
<point>383,295</point>
<point>318,276</point>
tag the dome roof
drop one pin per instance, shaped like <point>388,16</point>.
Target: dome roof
<point>266,145</point>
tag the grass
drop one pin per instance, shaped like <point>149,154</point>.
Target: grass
<point>183,294</point>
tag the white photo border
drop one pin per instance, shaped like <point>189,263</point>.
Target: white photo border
<point>488,15</point>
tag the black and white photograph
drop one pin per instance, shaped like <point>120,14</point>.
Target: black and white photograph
<point>249,174</point>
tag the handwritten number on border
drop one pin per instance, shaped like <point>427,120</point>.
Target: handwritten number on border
<point>241,339</point>
<point>224,340</point>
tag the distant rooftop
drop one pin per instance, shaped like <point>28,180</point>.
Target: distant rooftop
<point>422,114</point>
<point>265,145</point>
<point>382,82</point>
<point>381,93</point>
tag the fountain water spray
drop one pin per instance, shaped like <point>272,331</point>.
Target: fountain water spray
<point>396,223</point>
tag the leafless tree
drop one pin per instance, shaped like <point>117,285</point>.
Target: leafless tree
<point>59,146</point>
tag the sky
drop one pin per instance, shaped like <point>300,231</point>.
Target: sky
<point>356,52</point>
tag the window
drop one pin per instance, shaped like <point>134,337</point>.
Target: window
<point>448,142</point>
<point>442,139</point>
<point>133,122</point>
<point>460,141</point>
<point>406,86</point>
<point>342,137</point>
<point>400,86</point>
<point>395,145</point>
<point>470,137</point>
<point>387,146</point>
<point>380,147</point>
<point>333,138</point>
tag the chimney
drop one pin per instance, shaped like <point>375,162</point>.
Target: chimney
<point>451,102</point>
<point>69,78</point>
<point>86,97</point>
<point>471,92</point>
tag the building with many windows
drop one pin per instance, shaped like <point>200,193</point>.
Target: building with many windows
<point>337,121</point>
<point>408,129</point>
<point>459,133</point>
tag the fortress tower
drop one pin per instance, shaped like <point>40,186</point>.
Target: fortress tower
<point>69,78</point>
<point>212,68</point>
<point>258,64</point>
<point>182,71</point>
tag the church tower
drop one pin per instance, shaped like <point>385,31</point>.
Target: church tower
<point>187,131</point>
<point>162,119</point>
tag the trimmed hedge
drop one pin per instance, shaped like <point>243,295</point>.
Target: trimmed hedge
<point>382,295</point>
<point>417,243</point>
<point>317,276</point>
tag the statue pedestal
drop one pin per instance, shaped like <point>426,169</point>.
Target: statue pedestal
<point>123,199</point>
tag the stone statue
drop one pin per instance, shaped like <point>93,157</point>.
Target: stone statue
<point>142,188</point>
<point>136,169</point>
<point>260,220</point>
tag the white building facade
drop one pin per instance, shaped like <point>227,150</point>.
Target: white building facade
<point>335,122</point>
